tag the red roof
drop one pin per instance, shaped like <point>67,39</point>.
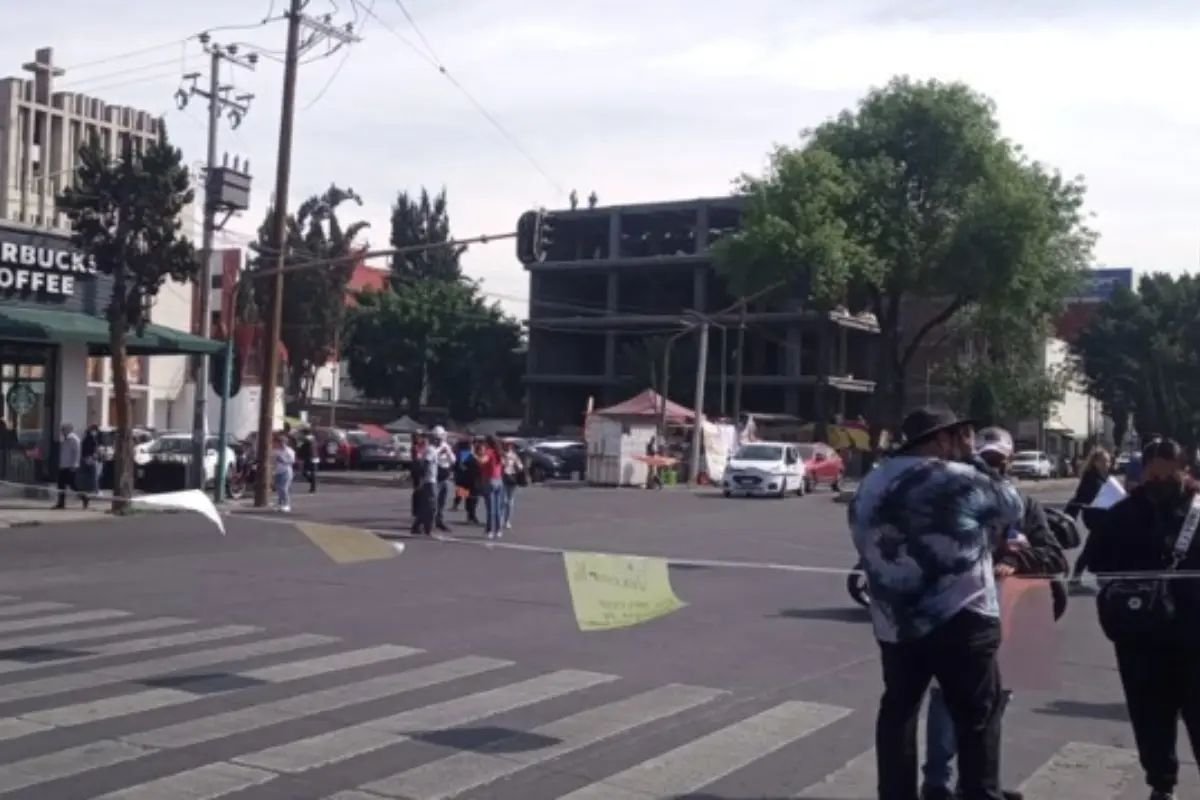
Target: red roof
<point>648,404</point>
<point>365,277</point>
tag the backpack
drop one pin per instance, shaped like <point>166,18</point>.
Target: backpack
<point>1064,528</point>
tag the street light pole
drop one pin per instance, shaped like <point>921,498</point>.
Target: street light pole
<point>698,414</point>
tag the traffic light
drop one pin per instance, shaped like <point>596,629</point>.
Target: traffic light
<point>216,373</point>
<point>535,235</point>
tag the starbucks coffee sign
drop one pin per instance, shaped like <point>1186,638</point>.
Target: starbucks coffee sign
<point>34,268</point>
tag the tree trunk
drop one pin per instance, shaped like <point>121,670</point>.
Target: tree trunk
<point>123,452</point>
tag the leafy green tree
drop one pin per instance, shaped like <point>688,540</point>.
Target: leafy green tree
<point>126,215</point>
<point>912,196</point>
<point>423,219</point>
<point>478,372</point>
<point>313,299</point>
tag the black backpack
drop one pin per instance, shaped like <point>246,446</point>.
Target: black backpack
<point>1064,528</point>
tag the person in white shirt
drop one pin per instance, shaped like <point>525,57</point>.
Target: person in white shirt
<point>70,451</point>
<point>514,476</point>
<point>444,457</point>
<point>284,460</point>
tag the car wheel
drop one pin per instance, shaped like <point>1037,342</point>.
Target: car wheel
<point>537,474</point>
<point>803,488</point>
<point>727,493</point>
<point>810,483</point>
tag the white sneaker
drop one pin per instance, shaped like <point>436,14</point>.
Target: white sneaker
<point>508,526</point>
<point>285,509</point>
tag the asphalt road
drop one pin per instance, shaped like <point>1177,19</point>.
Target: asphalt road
<point>153,659</point>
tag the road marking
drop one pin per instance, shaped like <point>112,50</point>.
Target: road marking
<point>354,795</point>
<point>857,778</point>
<point>356,740</point>
<point>151,699</point>
<point>1081,771</point>
<point>264,715</point>
<point>203,783</point>
<point>145,645</point>
<point>119,674</point>
<point>693,766</point>
<point>25,609</point>
<point>86,634</point>
<point>463,772</point>
<point>345,544</point>
<point>28,772</point>
<point>17,625</point>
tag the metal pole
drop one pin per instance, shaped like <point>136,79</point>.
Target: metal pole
<point>283,174</point>
<point>229,316</point>
<point>724,367</point>
<point>698,428</point>
<point>741,368</point>
<point>337,372</point>
<point>666,387</point>
<point>200,376</point>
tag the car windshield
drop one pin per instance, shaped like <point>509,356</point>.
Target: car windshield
<point>760,452</point>
<point>806,451</point>
<point>172,444</point>
<point>1027,456</point>
<point>358,436</point>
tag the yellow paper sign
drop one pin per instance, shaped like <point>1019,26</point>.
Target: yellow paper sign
<point>346,545</point>
<point>609,591</point>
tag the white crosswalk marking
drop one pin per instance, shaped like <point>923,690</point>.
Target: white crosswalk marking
<point>1083,772</point>
<point>146,645</point>
<point>26,609</point>
<point>357,740</point>
<point>463,772</point>
<point>91,634</point>
<point>693,766</point>
<point>58,684</point>
<point>60,620</point>
<point>856,779</point>
<point>203,783</point>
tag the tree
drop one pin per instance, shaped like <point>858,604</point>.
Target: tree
<point>1140,357</point>
<point>125,214</point>
<point>479,372</point>
<point>911,198</point>
<point>423,220</point>
<point>313,299</point>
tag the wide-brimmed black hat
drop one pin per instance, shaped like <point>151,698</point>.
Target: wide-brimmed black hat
<point>925,423</point>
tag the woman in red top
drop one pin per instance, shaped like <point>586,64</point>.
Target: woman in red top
<point>491,472</point>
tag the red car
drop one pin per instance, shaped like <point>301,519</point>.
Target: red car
<point>822,464</point>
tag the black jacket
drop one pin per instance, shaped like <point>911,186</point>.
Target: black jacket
<point>1138,535</point>
<point>1044,556</point>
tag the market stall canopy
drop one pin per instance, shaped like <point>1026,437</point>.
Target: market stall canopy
<point>649,404</point>
<point>405,424</point>
<point>23,324</point>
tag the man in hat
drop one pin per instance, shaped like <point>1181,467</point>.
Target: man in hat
<point>925,522</point>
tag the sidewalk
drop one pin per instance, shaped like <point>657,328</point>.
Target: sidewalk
<point>28,512</point>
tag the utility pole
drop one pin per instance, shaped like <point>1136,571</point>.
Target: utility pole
<point>701,379</point>
<point>220,102</point>
<point>283,174</point>
<point>741,368</point>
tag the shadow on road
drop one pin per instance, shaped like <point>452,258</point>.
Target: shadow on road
<point>1073,708</point>
<point>849,615</point>
<point>488,738</point>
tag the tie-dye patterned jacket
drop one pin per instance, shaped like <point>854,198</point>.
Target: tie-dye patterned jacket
<point>925,529</point>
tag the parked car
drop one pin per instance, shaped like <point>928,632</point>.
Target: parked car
<point>375,454</point>
<point>1031,464</point>
<point>176,449</point>
<point>540,466</point>
<point>822,464</point>
<point>333,448</point>
<point>402,443</point>
<point>567,458</point>
<point>765,469</point>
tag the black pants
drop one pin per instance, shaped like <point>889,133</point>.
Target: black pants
<point>310,473</point>
<point>424,508</point>
<point>472,504</point>
<point>961,655</point>
<point>1162,684</point>
<point>66,483</point>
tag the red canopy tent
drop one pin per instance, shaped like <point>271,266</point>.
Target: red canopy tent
<point>649,405</point>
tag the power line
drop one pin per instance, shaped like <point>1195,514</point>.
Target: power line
<point>417,30</point>
<point>338,69</point>
<point>474,101</point>
<point>173,43</point>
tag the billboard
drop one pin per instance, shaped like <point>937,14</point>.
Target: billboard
<point>1098,284</point>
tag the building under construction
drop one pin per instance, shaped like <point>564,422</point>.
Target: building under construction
<point>612,288</point>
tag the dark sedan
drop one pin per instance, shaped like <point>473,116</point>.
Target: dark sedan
<point>376,454</point>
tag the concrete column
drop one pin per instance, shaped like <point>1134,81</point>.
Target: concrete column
<point>702,229</point>
<point>612,299</point>
<point>71,380</point>
<point>700,288</point>
<point>614,234</point>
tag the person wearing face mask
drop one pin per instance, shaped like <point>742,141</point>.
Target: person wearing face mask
<point>1036,552</point>
<point>1153,621</point>
<point>925,522</point>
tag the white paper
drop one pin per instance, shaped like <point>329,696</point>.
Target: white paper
<point>1109,495</point>
<point>192,500</point>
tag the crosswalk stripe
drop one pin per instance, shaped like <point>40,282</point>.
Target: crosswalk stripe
<point>144,645</point>
<point>61,620</point>
<point>1081,771</point>
<point>354,795</point>
<point>693,766</point>
<point>89,634</point>
<point>34,771</point>
<point>111,676</point>
<point>855,780</point>
<point>26,609</point>
<point>263,715</point>
<point>151,699</point>
<point>462,772</point>
<point>203,783</point>
<point>356,740</point>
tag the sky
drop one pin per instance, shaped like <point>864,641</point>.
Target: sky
<point>510,105</point>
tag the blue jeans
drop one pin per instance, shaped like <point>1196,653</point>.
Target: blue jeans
<point>283,488</point>
<point>510,498</point>
<point>493,500</point>
<point>445,490</point>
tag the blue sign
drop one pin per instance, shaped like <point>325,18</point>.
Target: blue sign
<point>1099,284</point>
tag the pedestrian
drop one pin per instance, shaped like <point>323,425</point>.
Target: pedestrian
<point>515,475</point>
<point>462,454</point>
<point>474,482</point>
<point>424,489</point>
<point>87,480</point>
<point>70,451</point>
<point>925,522</point>
<point>1152,621</point>
<point>283,459</point>
<point>1040,555</point>
<point>307,454</point>
<point>1095,474</point>
<point>490,456</point>
<point>444,456</point>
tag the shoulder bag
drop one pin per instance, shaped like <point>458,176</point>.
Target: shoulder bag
<point>1133,608</point>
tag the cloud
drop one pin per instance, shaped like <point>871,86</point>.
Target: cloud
<point>647,101</point>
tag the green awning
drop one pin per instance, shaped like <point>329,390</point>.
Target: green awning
<point>24,324</point>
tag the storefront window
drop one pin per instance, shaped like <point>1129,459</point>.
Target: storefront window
<point>28,411</point>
